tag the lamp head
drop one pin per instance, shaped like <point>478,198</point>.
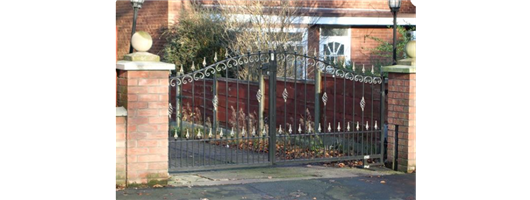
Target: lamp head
<point>394,5</point>
<point>137,3</point>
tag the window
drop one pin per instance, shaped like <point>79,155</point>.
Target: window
<point>335,44</point>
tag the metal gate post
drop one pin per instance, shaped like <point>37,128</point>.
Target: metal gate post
<point>272,65</point>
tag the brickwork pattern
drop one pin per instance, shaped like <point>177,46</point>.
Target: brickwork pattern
<point>146,101</point>
<point>120,150</point>
<point>402,112</point>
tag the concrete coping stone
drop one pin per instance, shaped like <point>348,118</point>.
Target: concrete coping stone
<point>143,65</point>
<point>405,69</point>
<point>121,112</point>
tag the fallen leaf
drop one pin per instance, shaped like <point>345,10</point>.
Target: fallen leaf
<point>140,193</point>
<point>383,182</point>
<point>157,186</point>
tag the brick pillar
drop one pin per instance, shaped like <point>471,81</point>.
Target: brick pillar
<point>402,112</point>
<point>143,91</point>
<point>120,148</point>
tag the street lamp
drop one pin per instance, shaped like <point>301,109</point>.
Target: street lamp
<point>136,4</point>
<point>394,8</point>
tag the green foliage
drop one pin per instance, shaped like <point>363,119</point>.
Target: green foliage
<point>197,36</point>
<point>382,54</point>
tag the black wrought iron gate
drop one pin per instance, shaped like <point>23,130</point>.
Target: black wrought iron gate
<point>275,107</point>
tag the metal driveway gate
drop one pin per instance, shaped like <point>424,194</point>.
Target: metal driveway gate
<point>274,107</point>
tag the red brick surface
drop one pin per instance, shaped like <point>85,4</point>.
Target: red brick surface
<point>147,120</point>
<point>402,112</point>
<point>120,150</point>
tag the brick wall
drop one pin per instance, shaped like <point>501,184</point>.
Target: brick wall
<point>360,44</point>
<point>146,99</point>
<point>120,150</point>
<point>152,18</point>
<point>402,112</point>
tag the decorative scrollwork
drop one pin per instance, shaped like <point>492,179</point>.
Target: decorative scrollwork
<point>368,79</point>
<point>359,78</point>
<point>253,58</point>
<point>264,57</point>
<point>280,57</point>
<point>186,79</point>
<point>311,62</point>
<point>378,80</point>
<point>241,59</point>
<point>198,75</point>
<point>349,76</point>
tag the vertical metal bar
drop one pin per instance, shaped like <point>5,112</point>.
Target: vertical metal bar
<point>353,112</point>
<point>283,138</point>
<point>396,145</point>
<point>318,81</point>
<point>204,133</point>
<point>272,108</point>
<point>178,115</point>
<point>334,127</point>
<point>372,119</point>
<point>135,16</point>
<point>344,141</point>
<point>304,130</point>
<point>325,113</point>
<point>214,121</point>
<point>192,134</point>
<point>261,106</point>
<point>237,114</point>
<point>394,57</point>
<point>249,130</point>
<point>295,106</point>
<point>170,141</point>
<point>382,112</point>
<point>362,121</point>
<point>227,127</point>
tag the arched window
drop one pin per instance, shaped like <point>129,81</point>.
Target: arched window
<point>335,44</point>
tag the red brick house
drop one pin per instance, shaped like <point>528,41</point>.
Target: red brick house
<point>337,26</point>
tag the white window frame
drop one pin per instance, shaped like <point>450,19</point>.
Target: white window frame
<point>345,40</point>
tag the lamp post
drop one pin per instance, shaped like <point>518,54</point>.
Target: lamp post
<point>394,8</point>
<point>136,4</point>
